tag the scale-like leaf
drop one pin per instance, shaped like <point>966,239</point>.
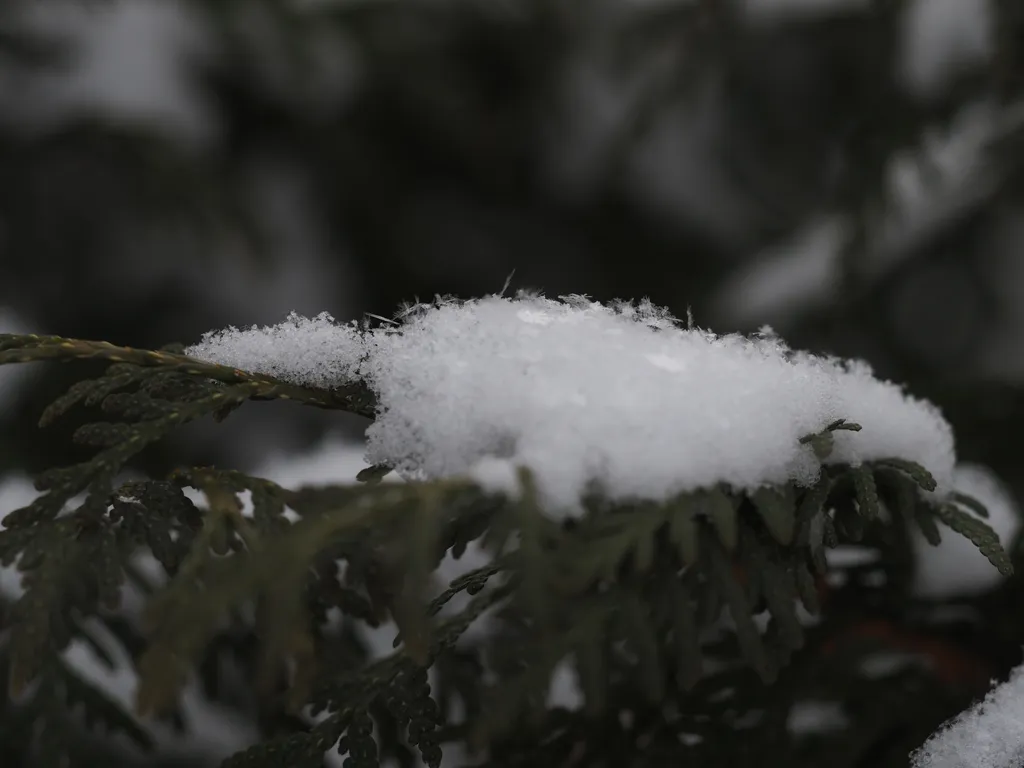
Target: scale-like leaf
<point>822,444</point>
<point>848,520</point>
<point>685,636</point>
<point>722,513</point>
<point>980,534</point>
<point>638,630</point>
<point>746,629</point>
<point>358,743</point>
<point>592,669</point>
<point>925,518</point>
<point>811,507</point>
<point>867,493</point>
<point>374,474</point>
<point>683,529</point>
<point>806,587</point>
<point>971,503</point>
<point>424,719</point>
<point>778,510</point>
<point>422,531</point>
<point>919,474</point>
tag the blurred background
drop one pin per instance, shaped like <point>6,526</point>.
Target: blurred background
<point>849,172</point>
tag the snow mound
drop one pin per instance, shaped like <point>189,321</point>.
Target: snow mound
<point>988,735</point>
<point>620,395</point>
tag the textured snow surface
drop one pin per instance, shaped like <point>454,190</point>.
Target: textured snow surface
<point>988,735</point>
<point>618,395</point>
<point>312,351</point>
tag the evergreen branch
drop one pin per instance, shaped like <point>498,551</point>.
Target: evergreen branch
<point>96,475</point>
<point>15,348</point>
<point>979,533</point>
<point>472,582</point>
<point>185,613</point>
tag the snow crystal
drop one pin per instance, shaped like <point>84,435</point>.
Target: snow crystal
<point>317,352</point>
<point>621,395</point>
<point>988,735</point>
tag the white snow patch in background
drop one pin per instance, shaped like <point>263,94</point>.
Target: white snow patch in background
<point>16,491</point>
<point>564,690</point>
<point>850,556</point>
<point>807,717</point>
<point>886,663</point>
<point>496,476</point>
<point>674,174</point>
<point>576,398</point>
<point>130,62</point>
<point>988,735</point>
<point>335,460</point>
<point>956,567</point>
<point>212,731</point>
<point>944,174</point>
<point>11,376</point>
<point>937,180</point>
<point>802,273</point>
<point>772,8</point>
<point>942,37</point>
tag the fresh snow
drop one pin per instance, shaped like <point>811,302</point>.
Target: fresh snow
<point>316,352</point>
<point>622,396</point>
<point>988,735</point>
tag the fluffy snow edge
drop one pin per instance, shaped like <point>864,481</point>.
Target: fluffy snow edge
<point>988,735</point>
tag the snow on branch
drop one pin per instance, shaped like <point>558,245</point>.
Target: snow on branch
<point>988,735</point>
<point>620,395</point>
<point>314,352</point>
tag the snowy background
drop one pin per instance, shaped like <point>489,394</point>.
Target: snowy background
<point>184,168</point>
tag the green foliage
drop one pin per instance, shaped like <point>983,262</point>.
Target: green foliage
<point>633,595</point>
